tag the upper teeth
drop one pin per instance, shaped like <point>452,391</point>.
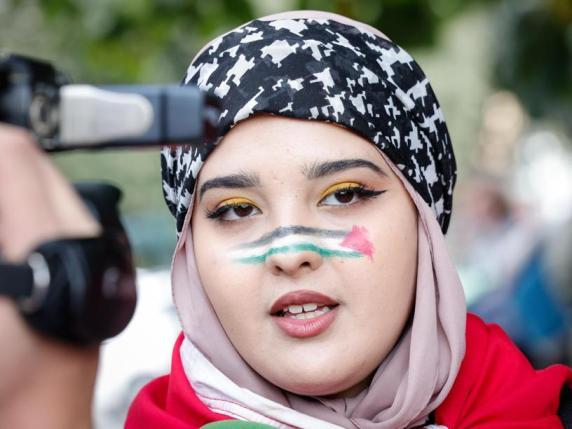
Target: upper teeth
<point>297,309</point>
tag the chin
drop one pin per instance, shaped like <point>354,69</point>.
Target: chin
<point>316,380</point>
<point>322,387</point>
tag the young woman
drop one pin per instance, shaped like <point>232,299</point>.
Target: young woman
<point>311,275</point>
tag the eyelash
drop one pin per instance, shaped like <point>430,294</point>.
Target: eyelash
<point>361,191</point>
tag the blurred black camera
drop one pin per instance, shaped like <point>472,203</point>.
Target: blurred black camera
<point>35,95</point>
<point>82,290</point>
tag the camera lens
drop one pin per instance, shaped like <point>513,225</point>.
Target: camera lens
<point>43,115</point>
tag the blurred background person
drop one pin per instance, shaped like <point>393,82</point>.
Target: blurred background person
<point>504,263</point>
<point>502,69</point>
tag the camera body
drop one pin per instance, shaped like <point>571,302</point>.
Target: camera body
<point>83,290</point>
<point>63,116</point>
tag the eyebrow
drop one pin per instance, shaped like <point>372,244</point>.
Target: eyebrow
<point>242,180</point>
<point>317,170</point>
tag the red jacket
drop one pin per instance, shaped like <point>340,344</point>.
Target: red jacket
<point>496,388</point>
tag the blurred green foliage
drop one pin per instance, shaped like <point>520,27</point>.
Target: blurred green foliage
<point>534,58</point>
<point>153,40</point>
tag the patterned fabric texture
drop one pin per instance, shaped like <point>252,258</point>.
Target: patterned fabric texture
<point>323,70</point>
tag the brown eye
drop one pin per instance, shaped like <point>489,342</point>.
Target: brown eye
<point>243,210</point>
<point>345,196</point>
<point>234,209</point>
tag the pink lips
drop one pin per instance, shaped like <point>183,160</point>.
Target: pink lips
<point>303,328</point>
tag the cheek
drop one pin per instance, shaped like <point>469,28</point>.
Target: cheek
<point>231,287</point>
<point>386,283</point>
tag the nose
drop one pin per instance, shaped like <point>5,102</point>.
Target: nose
<point>294,261</point>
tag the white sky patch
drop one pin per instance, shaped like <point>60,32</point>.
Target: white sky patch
<point>253,37</point>
<point>279,50</point>
<point>293,26</point>
<point>325,78</point>
<point>246,110</point>
<point>296,84</point>
<point>314,112</point>
<point>277,85</point>
<point>240,67</point>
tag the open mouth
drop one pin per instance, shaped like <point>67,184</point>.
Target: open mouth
<point>305,311</point>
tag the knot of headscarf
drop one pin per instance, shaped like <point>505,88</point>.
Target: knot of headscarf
<point>322,69</point>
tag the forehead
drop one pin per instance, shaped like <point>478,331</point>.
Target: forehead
<point>266,143</point>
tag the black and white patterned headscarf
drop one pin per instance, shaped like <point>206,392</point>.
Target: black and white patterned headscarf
<point>324,70</point>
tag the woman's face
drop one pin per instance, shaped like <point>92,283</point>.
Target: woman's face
<point>306,245</point>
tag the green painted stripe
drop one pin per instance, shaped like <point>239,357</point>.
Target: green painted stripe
<point>326,253</point>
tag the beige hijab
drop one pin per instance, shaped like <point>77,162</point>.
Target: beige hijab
<point>412,380</point>
<point>408,385</point>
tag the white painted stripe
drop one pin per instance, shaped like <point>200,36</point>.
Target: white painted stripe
<point>329,243</point>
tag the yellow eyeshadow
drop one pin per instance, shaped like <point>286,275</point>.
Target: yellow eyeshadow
<point>339,187</point>
<point>237,201</point>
